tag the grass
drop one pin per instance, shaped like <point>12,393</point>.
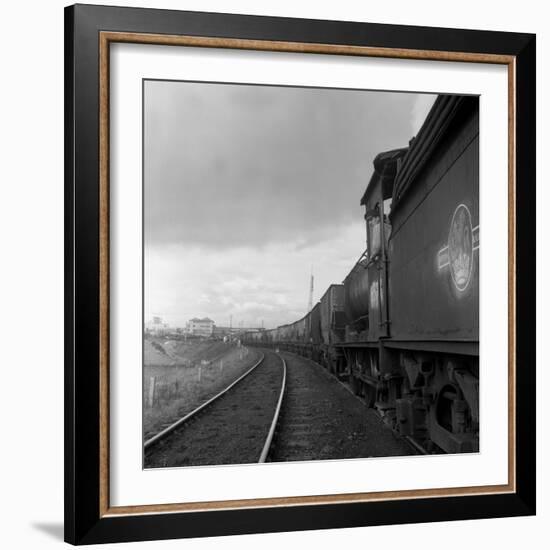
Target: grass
<point>180,389</point>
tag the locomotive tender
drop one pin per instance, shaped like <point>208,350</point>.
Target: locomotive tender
<point>403,327</point>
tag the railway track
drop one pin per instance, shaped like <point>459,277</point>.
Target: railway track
<point>414,445</point>
<point>236,426</point>
<point>321,420</point>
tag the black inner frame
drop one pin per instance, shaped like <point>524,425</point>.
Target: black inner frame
<point>83,524</point>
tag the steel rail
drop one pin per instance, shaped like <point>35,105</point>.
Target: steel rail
<point>415,445</point>
<point>269,440</point>
<point>156,438</point>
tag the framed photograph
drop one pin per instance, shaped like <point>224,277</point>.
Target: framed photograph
<point>300,274</point>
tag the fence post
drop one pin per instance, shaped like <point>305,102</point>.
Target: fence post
<point>151,396</point>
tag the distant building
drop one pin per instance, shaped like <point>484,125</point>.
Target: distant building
<point>156,327</point>
<point>200,327</point>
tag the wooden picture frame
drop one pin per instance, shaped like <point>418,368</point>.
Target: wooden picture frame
<point>89,32</point>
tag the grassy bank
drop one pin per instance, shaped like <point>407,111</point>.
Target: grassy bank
<point>170,392</point>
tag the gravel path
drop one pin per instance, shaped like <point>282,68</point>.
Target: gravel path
<point>230,431</point>
<point>321,419</point>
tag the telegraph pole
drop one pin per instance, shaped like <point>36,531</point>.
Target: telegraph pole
<point>310,303</point>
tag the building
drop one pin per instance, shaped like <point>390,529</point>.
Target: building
<point>200,327</point>
<point>156,327</point>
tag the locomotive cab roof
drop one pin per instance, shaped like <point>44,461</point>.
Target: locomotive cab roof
<point>386,165</point>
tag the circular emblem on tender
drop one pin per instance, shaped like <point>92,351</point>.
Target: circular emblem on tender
<point>461,247</point>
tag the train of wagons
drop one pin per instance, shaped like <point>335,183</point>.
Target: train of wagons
<point>403,328</point>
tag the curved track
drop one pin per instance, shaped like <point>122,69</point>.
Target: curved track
<point>234,427</point>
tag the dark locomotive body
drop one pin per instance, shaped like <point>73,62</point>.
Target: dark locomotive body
<point>403,328</point>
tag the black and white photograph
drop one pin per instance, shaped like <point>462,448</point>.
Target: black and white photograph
<point>244,302</point>
<point>310,273</point>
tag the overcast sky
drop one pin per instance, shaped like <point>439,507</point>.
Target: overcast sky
<point>249,188</point>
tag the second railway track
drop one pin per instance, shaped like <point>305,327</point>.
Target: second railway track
<point>234,427</point>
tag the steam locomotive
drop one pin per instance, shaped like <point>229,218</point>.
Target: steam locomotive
<point>403,328</point>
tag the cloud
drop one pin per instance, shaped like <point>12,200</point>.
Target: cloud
<point>254,286</point>
<point>249,188</point>
<point>421,107</point>
<point>228,166</point>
